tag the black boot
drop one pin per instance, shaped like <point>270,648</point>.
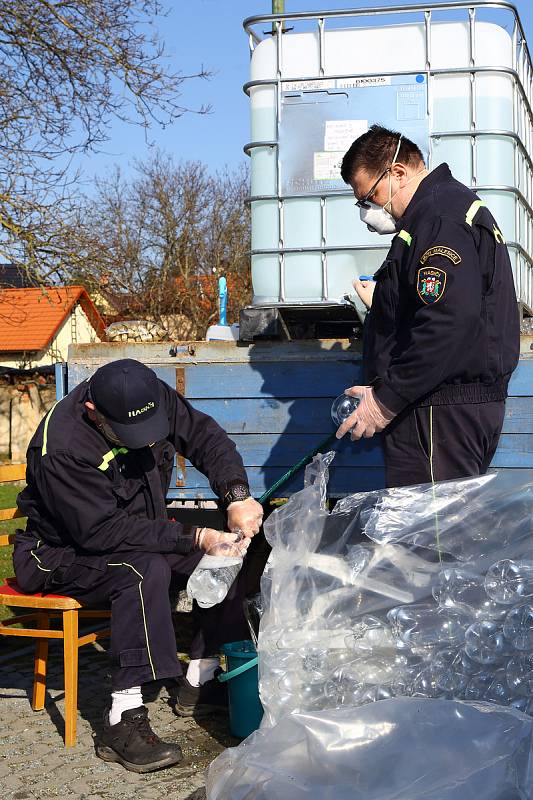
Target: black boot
<point>200,701</point>
<point>132,743</point>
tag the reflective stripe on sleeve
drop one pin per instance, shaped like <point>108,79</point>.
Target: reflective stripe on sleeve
<point>45,432</point>
<point>472,211</point>
<point>109,456</point>
<point>405,237</point>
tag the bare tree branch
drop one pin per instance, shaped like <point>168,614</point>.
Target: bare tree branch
<point>156,244</point>
<point>67,69</point>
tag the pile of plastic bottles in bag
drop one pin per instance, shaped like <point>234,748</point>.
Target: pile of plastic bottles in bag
<point>419,591</point>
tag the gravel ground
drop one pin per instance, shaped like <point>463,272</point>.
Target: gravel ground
<point>34,764</point>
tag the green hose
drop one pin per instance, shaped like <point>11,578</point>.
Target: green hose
<point>294,469</point>
<point>225,676</point>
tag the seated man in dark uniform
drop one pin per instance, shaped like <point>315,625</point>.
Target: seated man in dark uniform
<point>98,471</point>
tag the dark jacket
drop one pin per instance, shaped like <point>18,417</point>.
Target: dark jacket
<point>444,324</point>
<point>83,495</point>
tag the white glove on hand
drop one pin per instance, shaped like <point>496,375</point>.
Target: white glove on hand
<point>365,290</point>
<point>246,516</point>
<point>208,539</point>
<point>369,417</point>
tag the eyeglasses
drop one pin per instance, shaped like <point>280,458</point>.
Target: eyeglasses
<point>363,202</point>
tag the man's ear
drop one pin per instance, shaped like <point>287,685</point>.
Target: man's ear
<point>91,410</point>
<point>398,170</point>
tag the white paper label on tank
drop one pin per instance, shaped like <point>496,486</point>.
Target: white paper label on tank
<point>302,86</point>
<point>360,83</point>
<point>340,133</point>
<point>327,166</point>
<point>410,105</point>
<point>327,122</point>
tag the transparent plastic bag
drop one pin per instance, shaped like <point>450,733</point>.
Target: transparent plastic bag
<point>385,599</point>
<point>399,749</point>
<point>415,562</point>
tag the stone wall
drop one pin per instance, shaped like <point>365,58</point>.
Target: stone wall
<point>24,400</point>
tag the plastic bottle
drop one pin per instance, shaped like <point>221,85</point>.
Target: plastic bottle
<point>215,573</point>
<point>343,685</point>
<point>466,665</point>
<point>374,670</point>
<point>370,634</point>
<point>509,581</point>
<point>425,625</point>
<point>521,704</point>
<point>426,684</point>
<point>452,670</point>
<point>465,591</point>
<point>518,626</point>
<point>358,557</point>
<point>406,676</point>
<point>485,642</point>
<point>499,691</point>
<point>295,637</point>
<point>519,673</point>
<point>312,697</point>
<point>478,685</point>
<point>292,682</point>
<point>371,694</point>
<point>342,407</point>
<point>314,664</point>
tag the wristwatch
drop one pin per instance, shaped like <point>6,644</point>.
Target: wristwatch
<point>235,492</point>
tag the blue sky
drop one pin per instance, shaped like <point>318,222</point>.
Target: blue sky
<point>210,33</point>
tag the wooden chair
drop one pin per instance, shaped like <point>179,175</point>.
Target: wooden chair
<point>46,606</point>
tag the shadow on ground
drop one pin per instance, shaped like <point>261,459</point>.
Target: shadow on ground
<point>34,764</point>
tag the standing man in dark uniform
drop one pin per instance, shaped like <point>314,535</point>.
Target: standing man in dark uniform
<point>98,471</point>
<point>441,339</point>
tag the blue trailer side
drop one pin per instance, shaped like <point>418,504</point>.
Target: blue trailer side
<point>274,400</point>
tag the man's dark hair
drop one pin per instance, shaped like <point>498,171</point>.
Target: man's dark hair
<point>374,151</point>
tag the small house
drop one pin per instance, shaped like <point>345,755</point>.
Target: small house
<point>37,324</point>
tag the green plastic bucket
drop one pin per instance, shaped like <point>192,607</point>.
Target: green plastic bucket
<point>245,709</point>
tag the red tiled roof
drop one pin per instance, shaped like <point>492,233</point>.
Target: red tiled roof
<point>30,318</point>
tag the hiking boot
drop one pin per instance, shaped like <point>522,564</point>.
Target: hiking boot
<point>132,743</point>
<point>198,701</point>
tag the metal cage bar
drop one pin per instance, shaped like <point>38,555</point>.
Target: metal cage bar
<point>520,73</point>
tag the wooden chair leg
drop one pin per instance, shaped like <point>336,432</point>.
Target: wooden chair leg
<point>70,660</point>
<point>40,662</point>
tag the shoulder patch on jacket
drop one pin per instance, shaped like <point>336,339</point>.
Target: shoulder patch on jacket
<point>441,250</point>
<point>430,284</point>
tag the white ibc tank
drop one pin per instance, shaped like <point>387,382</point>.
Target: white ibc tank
<point>452,86</point>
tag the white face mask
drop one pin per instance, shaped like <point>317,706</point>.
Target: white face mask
<point>377,219</point>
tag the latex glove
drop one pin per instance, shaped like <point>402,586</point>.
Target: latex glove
<point>369,417</point>
<point>208,539</point>
<point>246,516</point>
<point>365,290</point>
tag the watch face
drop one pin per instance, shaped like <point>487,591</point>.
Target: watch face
<point>239,492</point>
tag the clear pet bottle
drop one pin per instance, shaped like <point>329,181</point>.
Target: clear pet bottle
<point>342,407</point>
<point>215,573</point>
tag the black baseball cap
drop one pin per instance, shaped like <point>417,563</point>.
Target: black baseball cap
<point>129,396</point>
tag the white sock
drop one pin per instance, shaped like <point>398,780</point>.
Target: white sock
<point>124,700</point>
<point>201,670</point>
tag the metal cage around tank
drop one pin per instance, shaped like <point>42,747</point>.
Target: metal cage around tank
<point>486,145</point>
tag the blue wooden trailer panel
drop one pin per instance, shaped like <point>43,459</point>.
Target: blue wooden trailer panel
<point>274,401</point>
